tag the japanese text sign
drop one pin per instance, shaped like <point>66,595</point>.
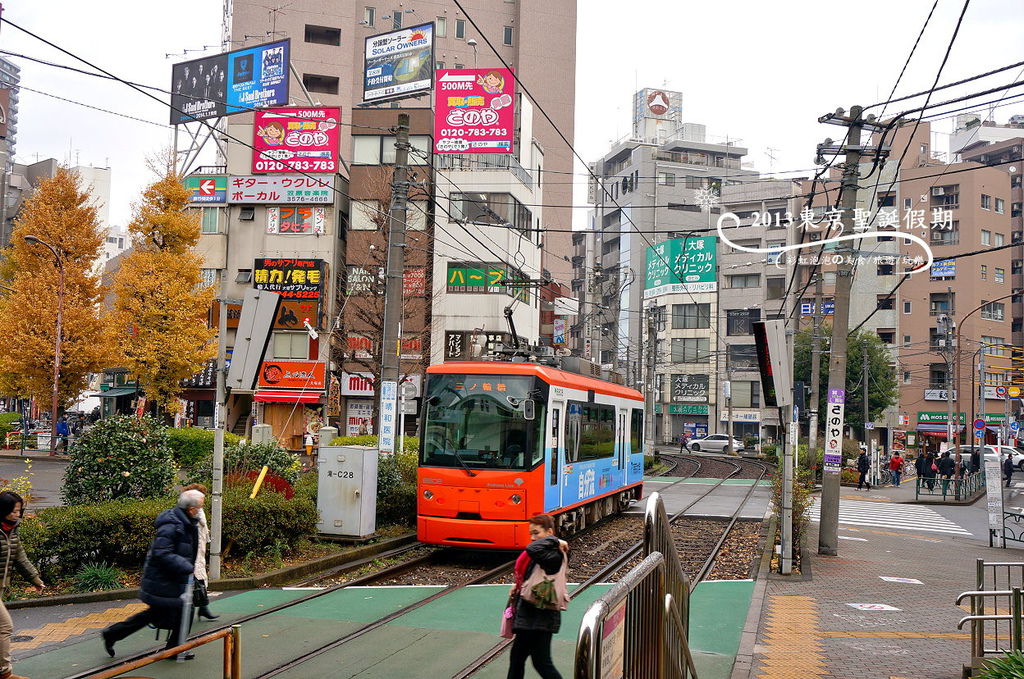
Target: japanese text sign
<point>681,265</point>
<point>307,375</point>
<point>474,111</point>
<point>398,64</point>
<point>834,431</point>
<point>207,188</point>
<point>291,278</point>
<point>296,139</point>
<point>296,220</point>
<point>280,189</point>
<point>484,278</point>
<point>688,388</point>
<point>232,82</point>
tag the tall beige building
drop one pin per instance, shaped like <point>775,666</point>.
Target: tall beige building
<point>536,38</point>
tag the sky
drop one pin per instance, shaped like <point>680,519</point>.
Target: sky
<point>758,72</point>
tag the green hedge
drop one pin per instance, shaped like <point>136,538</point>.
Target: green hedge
<point>119,533</point>
<point>191,445</point>
<point>406,460</point>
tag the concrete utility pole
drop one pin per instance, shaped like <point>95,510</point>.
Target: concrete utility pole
<point>221,421</point>
<point>946,331</point>
<point>812,405</point>
<point>652,362</point>
<point>864,392</point>
<point>828,533</point>
<point>391,341</point>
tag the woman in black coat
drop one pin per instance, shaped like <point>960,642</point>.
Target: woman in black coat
<point>926,472</point>
<point>534,626</point>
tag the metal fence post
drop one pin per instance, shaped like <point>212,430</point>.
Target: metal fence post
<point>1016,622</point>
<point>236,650</point>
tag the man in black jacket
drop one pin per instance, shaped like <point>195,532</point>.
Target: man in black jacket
<point>169,564</point>
<point>1008,469</point>
<point>863,465</point>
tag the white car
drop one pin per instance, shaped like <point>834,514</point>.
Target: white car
<point>714,443</point>
<point>1000,452</point>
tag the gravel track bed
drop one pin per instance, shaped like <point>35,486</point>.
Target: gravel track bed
<point>452,567</point>
<point>593,550</point>
<point>739,553</point>
<point>695,538</point>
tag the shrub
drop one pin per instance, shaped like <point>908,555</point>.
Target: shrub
<point>119,457</point>
<point>92,577</point>
<point>407,459</point>
<point>1010,666</point>
<point>271,483</point>
<point>266,522</point>
<point>770,452</point>
<point>252,456</point>
<point>8,423</point>
<point>802,486</point>
<point>192,445</point>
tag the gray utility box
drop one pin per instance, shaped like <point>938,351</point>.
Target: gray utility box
<point>347,492</point>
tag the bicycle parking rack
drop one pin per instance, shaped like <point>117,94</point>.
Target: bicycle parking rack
<point>995,629</point>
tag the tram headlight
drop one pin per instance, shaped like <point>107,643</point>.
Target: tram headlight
<point>516,499</point>
<point>427,494</point>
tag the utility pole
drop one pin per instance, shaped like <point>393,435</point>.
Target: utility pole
<point>220,422</point>
<point>946,331</point>
<point>390,344</point>
<point>864,392</point>
<point>828,534</point>
<point>652,362</point>
<point>812,433</point>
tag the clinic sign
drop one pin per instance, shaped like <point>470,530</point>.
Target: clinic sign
<point>296,140</point>
<point>681,265</point>
<point>398,64</point>
<point>474,110</point>
<point>232,82</point>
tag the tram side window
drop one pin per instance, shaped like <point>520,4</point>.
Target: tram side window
<point>636,428</point>
<point>589,431</point>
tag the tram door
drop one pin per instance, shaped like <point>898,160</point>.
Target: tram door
<point>553,443</point>
<point>622,439</point>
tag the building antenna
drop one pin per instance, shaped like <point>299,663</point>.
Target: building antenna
<point>770,152</point>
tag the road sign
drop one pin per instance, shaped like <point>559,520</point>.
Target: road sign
<point>207,186</point>
<point>1001,392</point>
<point>979,423</point>
<point>979,433</point>
<point>1014,392</point>
<point>1014,426</point>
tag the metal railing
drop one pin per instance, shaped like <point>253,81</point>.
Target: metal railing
<point>996,606</point>
<point>951,489</point>
<point>484,161</point>
<point>639,627</point>
<point>232,637</point>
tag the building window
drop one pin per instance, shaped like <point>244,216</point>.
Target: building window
<point>995,345</point>
<point>907,306</point>
<point>886,303</point>
<point>396,18</point>
<point>695,182</point>
<point>993,311</point>
<point>691,316</point>
<point>885,269</point>
<point>291,345</point>
<point>906,341</point>
<point>745,394</point>
<point>506,38</point>
<point>984,272</point>
<point>210,215</point>
<point>1000,205</point>
<point>494,209</point>
<point>906,377</point>
<point>365,215</point>
<point>666,179</point>
<point>887,336</point>
<point>740,321</point>
<point>937,376</point>
<point>365,150</point>
<point>691,350</point>
<point>950,236</point>
<point>1000,275</point>
<point>369,15</point>
<point>323,35</point>
<point>998,239</point>
<point>323,84</point>
<point>441,27</point>
<point>776,287</point>
<point>986,202</point>
<point>938,303</point>
<point>460,29</point>
<point>208,277</point>
<point>742,357</point>
<point>752,280</point>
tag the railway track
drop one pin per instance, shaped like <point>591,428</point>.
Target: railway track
<point>448,566</point>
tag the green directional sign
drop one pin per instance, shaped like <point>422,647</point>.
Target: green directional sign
<point>681,265</point>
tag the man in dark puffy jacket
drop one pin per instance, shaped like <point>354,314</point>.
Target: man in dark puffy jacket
<point>169,563</point>
<point>863,465</point>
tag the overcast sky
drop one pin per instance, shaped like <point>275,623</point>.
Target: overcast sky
<point>760,72</point>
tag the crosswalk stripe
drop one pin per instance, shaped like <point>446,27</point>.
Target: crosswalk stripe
<point>900,517</point>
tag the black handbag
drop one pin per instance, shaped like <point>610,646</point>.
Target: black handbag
<point>200,597</point>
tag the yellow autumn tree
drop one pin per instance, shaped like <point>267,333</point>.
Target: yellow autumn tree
<point>160,305</point>
<point>58,214</point>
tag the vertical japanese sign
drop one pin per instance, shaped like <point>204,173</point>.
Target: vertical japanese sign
<point>296,140</point>
<point>834,431</point>
<point>681,265</point>
<point>388,416</point>
<point>474,110</point>
<point>994,492</point>
<point>398,64</point>
<point>296,220</point>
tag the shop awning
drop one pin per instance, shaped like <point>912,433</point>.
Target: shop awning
<point>114,393</point>
<point>936,430</point>
<point>288,396</point>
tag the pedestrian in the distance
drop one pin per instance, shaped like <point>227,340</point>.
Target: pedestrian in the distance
<point>946,470</point>
<point>171,561</point>
<point>928,471</point>
<point>896,468</point>
<point>63,432</point>
<point>533,626</point>
<point>1008,469</point>
<point>200,595</point>
<point>975,460</point>
<point>12,507</point>
<point>863,465</point>
<point>308,441</point>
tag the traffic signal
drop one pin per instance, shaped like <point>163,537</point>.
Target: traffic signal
<point>773,362</point>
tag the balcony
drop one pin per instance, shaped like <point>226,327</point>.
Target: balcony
<point>466,162</point>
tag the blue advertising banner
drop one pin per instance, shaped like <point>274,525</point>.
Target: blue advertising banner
<point>232,82</point>
<point>399,64</point>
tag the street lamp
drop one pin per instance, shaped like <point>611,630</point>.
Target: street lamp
<point>57,341</point>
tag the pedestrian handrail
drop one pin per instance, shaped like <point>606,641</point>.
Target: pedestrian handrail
<point>658,538</point>
<point>996,605</point>
<point>634,629</point>
<point>937,488</point>
<point>232,637</point>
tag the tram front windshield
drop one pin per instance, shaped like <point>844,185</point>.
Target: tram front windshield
<point>480,421</point>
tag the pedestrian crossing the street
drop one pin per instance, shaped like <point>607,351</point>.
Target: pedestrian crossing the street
<point>891,515</point>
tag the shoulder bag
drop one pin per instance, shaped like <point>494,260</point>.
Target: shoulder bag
<point>547,591</point>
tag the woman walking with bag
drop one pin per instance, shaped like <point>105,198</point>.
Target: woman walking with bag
<point>537,598</point>
<point>200,597</point>
<point>12,554</point>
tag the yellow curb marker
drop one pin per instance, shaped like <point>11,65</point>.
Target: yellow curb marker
<point>72,627</point>
<point>791,639</point>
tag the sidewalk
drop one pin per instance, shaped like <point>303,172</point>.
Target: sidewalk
<point>846,621</point>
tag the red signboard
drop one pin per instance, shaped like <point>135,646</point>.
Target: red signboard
<point>308,375</point>
<point>474,111</point>
<point>295,139</point>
